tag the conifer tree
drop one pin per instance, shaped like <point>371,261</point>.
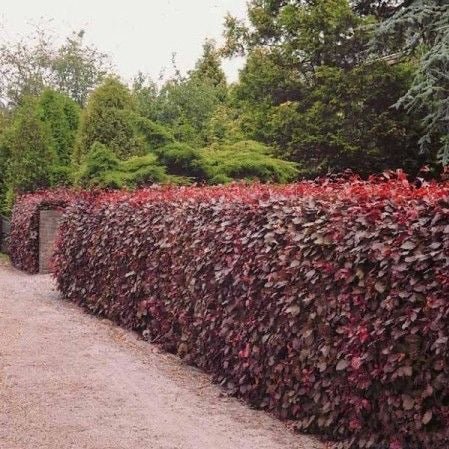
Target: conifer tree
<point>110,119</point>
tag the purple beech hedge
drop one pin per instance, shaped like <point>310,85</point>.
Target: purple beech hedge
<point>326,304</point>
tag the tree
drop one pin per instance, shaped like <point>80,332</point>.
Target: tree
<point>145,93</point>
<point>97,166</point>
<point>346,121</point>
<point>208,67</point>
<point>36,144</point>
<point>24,67</point>
<point>420,28</point>
<point>304,34</point>
<point>224,126</point>
<point>110,119</point>
<point>381,9</point>
<point>307,89</point>
<point>36,62</point>
<point>185,104</point>
<point>27,148</point>
<point>79,68</point>
<point>61,114</point>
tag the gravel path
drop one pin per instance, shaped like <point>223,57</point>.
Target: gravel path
<point>69,380</point>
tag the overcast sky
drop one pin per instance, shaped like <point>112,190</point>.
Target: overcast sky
<point>138,34</point>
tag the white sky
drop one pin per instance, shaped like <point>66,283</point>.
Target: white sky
<point>138,34</point>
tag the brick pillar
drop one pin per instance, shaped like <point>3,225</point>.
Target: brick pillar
<point>5,229</point>
<point>48,227</point>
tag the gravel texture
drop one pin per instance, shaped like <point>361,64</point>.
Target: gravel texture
<point>69,380</point>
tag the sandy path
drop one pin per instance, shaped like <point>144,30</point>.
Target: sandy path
<point>68,380</point>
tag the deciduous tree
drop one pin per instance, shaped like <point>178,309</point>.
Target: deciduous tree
<point>36,62</point>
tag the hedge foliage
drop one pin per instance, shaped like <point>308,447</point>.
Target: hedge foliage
<point>24,238</point>
<point>326,303</point>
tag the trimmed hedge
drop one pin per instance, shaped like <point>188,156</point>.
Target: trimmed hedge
<point>24,237</point>
<point>324,303</point>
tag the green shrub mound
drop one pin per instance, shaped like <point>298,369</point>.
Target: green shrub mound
<point>323,303</point>
<point>182,160</point>
<point>245,160</point>
<point>102,169</point>
<point>223,163</point>
<point>179,163</point>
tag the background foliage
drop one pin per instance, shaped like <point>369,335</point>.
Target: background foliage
<point>328,85</point>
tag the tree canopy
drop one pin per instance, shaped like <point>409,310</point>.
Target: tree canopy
<point>36,62</point>
<point>310,89</point>
<point>420,28</point>
<point>27,153</point>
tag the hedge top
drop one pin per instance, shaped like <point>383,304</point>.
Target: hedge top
<point>396,189</point>
<point>392,187</point>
